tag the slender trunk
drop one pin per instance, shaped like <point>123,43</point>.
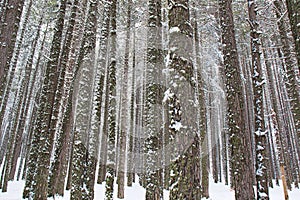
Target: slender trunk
<point>261,163</point>
<point>8,35</point>
<point>132,132</point>
<point>44,141</point>
<point>239,152</point>
<point>25,107</point>
<point>112,113</point>
<point>8,29</point>
<point>293,8</point>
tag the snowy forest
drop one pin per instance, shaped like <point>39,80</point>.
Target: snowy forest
<point>150,99</point>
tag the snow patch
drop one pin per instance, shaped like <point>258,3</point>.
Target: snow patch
<point>177,126</point>
<point>174,30</point>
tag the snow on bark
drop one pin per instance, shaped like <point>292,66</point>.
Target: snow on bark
<point>260,130</point>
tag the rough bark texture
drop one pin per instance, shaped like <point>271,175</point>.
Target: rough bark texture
<point>42,137</point>
<point>293,7</point>
<point>153,98</point>
<point>123,131</point>
<point>67,77</point>
<point>103,50</point>
<point>180,97</point>
<point>112,112</point>
<point>8,31</point>
<point>239,146</point>
<point>260,130</point>
<point>9,26</point>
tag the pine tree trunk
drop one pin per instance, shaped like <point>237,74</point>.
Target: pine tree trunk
<point>44,141</point>
<point>11,59</point>
<point>180,96</point>
<point>293,8</point>
<point>112,113</point>
<point>132,132</point>
<point>290,62</point>
<point>26,101</point>
<point>202,118</point>
<point>12,135</point>
<point>84,93</point>
<point>239,147</point>
<point>261,163</point>
<point>67,78</point>
<point>103,50</point>
<point>8,29</point>
<point>153,95</point>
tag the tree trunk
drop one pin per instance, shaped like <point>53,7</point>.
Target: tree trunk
<point>153,99</point>
<point>240,153</point>
<point>42,137</point>
<point>293,8</point>
<point>261,163</point>
<point>8,30</point>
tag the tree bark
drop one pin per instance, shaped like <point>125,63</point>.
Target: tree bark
<point>240,154</point>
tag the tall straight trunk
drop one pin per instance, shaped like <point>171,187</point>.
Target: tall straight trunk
<point>239,146</point>
<point>27,95</point>
<point>278,128</point>
<point>292,85</point>
<point>82,143</point>
<point>44,141</point>
<point>293,8</point>
<point>102,56</point>
<point>153,97</point>
<point>74,39</point>
<point>180,98</point>
<point>8,31</point>
<point>34,95</point>
<point>283,105</point>
<point>132,132</point>
<point>83,91</point>
<point>202,116</point>
<point>124,109</point>
<point>55,118</point>
<point>112,112</point>
<point>261,163</point>
<point>12,135</point>
<point>103,149</point>
<point>93,137</point>
<point>8,35</point>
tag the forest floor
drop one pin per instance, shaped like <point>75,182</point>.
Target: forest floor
<point>217,191</point>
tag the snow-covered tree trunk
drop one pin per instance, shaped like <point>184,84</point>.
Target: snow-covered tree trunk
<point>12,135</point>
<point>9,26</point>
<point>27,115</point>
<point>63,133</point>
<point>239,152</point>
<point>279,129</point>
<point>153,98</point>
<point>12,64</point>
<point>26,102</point>
<point>42,137</point>
<point>202,119</point>
<point>102,63</point>
<point>261,164</point>
<point>132,132</point>
<point>34,96</point>
<point>293,8</point>
<point>292,85</point>
<point>123,123</point>
<point>180,97</point>
<point>112,112</point>
<point>84,93</point>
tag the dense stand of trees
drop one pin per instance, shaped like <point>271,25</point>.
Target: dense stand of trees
<point>157,92</point>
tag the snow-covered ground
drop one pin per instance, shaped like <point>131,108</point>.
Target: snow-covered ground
<point>217,191</point>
